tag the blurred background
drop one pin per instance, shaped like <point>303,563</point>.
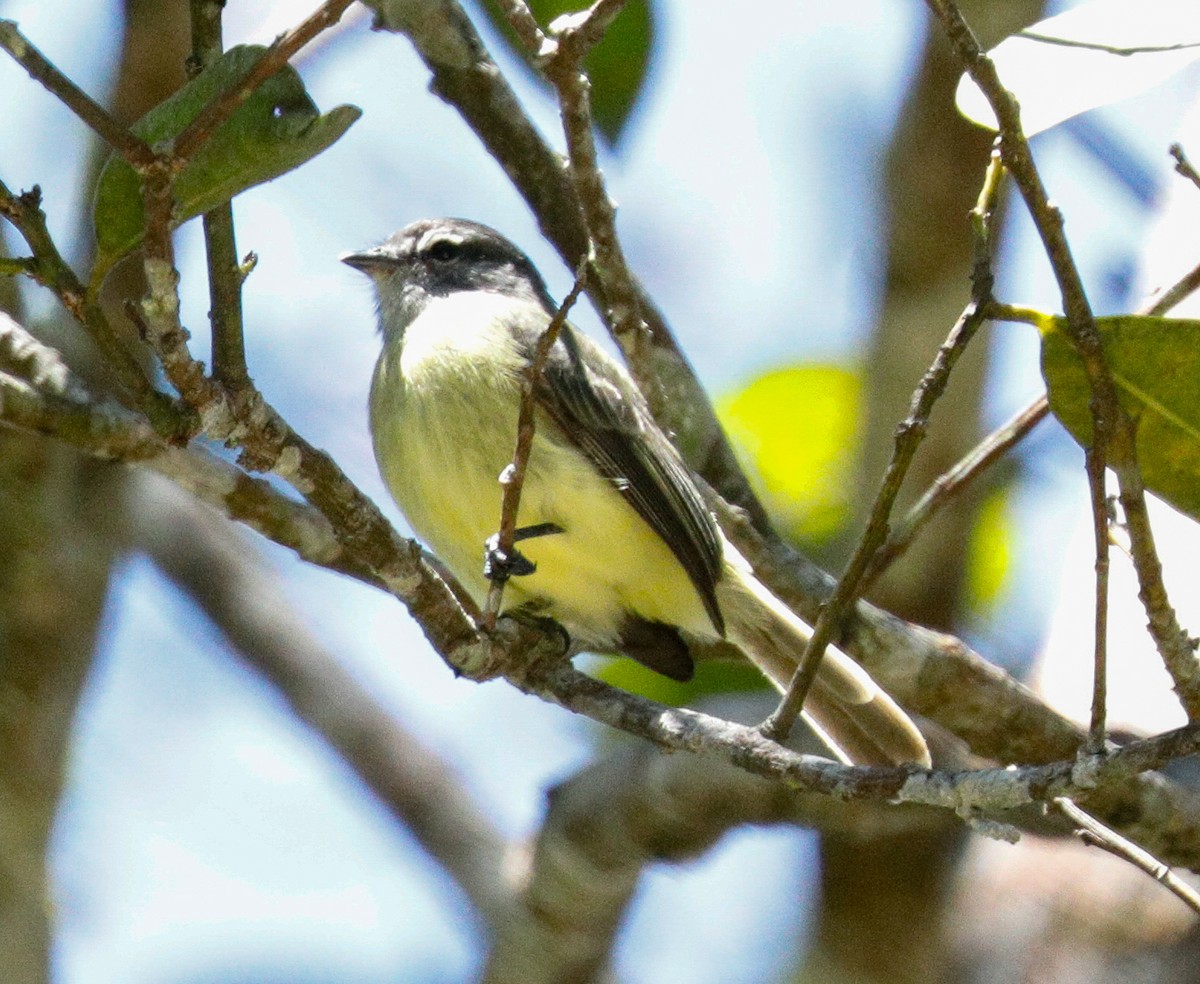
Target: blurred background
<point>793,186</point>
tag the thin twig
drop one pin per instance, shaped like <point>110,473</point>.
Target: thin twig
<point>513,476</point>
<point>946,486</point>
<point>1096,834</point>
<point>1098,719</point>
<point>1177,293</point>
<point>224,277</point>
<point>49,269</point>
<point>16,266</point>
<point>135,150</point>
<point>909,435</point>
<point>560,56</point>
<point>1183,165</point>
<point>524,24</point>
<point>942,490</point>
<point>1108,49</point>
<point>274,58</point>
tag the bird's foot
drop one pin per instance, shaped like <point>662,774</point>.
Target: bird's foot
<point>500,565</point>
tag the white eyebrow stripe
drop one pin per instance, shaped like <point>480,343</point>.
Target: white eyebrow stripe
<point>439,235</point>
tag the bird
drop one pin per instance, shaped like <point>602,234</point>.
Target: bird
<point>614,541</point>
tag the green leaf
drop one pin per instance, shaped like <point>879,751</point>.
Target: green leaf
<point>990,551</point>
<point>617,66</point>
<point>277,129</point>
<point>796,430</point>
<point>712,677</point>
<point>1155,363</point>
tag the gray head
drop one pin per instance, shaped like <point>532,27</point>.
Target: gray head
<point>433,258</point>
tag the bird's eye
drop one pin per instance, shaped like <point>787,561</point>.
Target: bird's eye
<point>442,250</point>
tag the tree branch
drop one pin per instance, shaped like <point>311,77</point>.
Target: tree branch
<point>617,816</point>
<point>49,269</point>
<point>1095,834</point>
<point>533,664</point>
<point>224,273</point>
<point>513,477</point>
<point>135,150</point>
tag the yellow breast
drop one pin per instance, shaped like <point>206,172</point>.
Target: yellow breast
<point>444,405</point>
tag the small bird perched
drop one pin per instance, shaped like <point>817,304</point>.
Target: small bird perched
<point>616,544</point>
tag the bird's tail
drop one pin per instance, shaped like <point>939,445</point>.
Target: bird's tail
<point>845,706</point>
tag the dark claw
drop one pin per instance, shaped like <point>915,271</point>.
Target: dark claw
<point>500,566</point>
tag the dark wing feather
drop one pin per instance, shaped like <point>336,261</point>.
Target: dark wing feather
<point>611,424</point>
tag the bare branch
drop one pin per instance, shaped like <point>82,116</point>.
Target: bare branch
<point>993,447</point>
<point>39,393</point>
<point>1092,832</point>
<point>562,63</point>
<point>1109,49</point>
<point>49,269</point>
<point>135,150</point>
<point>968,792</point>
<point>909,435</point>
<point>611,820</point>
<point>1184,166</point>
<point>513,477</point>
<point>943,490</point>
<point>224,275</point>
<point>1187,285</point>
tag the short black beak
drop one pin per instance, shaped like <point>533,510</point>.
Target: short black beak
<point>369,261</point>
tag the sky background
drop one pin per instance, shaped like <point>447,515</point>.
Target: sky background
<point>205,834</point>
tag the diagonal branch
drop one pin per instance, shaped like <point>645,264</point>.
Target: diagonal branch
<point>908,438</point>
<point>513,477</point>
<point>196,134</point>
<point>1095,834</point>
<point>134,149</point>
<point>49,269</point>
<point>995,445</point>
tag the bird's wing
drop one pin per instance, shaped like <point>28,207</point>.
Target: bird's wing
<point>598,408</point>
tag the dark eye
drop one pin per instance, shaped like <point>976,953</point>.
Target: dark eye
<point>442,251</point>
